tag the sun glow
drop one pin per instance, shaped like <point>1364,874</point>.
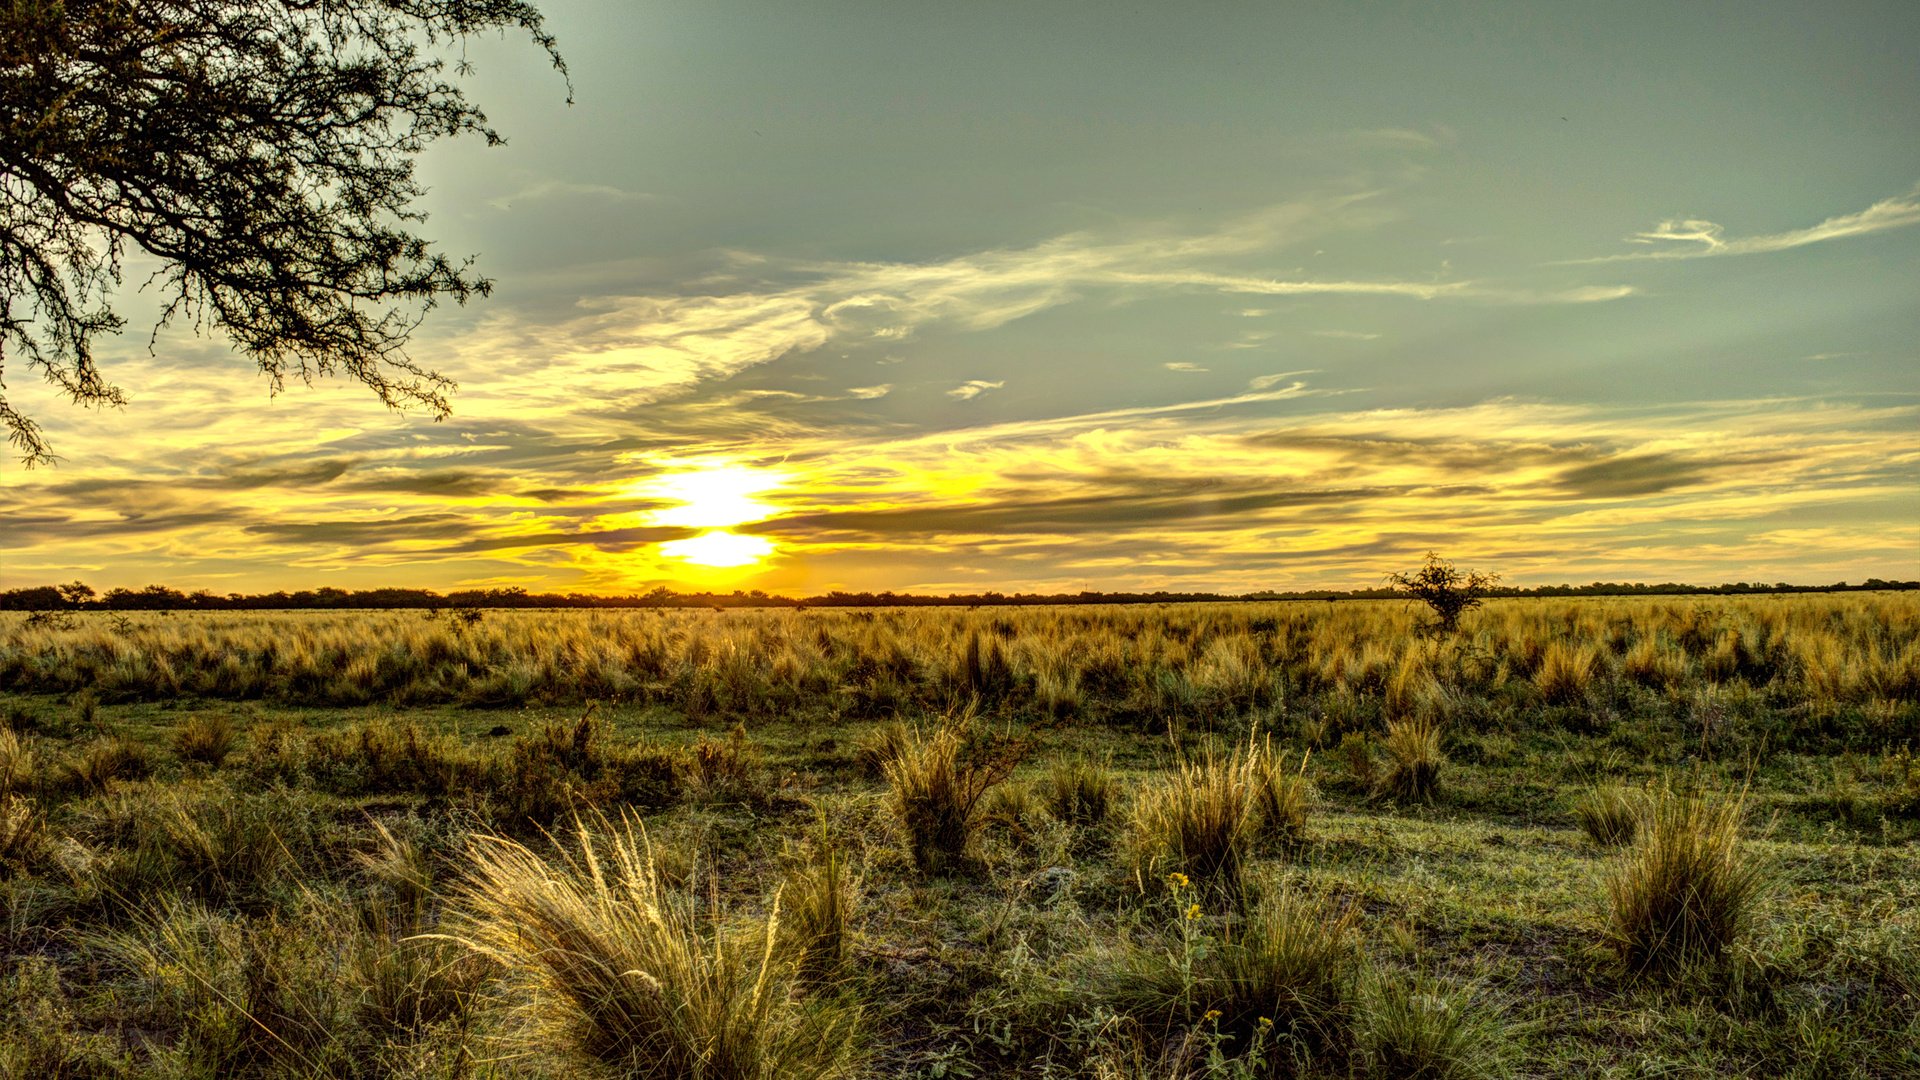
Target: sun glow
<point>713,495</point>
<point>719,548</point>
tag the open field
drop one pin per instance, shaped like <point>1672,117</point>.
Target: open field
<point>1198,840</point>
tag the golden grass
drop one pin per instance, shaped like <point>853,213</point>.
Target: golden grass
<point>1687,890</point>
<point>617,967</point>
<point>1185,659</point>
<point>937,784</point>
<point>1412,746</point>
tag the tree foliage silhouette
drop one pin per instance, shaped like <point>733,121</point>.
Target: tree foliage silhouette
<point>1449,592</point>
<point>262,151</point>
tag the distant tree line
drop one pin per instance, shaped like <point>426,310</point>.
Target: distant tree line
<point>77,596</point>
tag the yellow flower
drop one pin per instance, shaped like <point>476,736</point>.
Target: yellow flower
<point>1193,912</point>
<point>1212,1015</point>
<point>1178,880</point>
<point>1266,1021</point>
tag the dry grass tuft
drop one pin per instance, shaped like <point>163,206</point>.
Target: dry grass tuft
<point>1687,890</point>
<point>207,738</point>
<point>818,900</point>
<point>938,783</point>
<point>1412,746</point>
<point>1610,814</point>
<point>1416,1028</point>
<point>1080,792</point>
<point>1201,820</point>
<point>617,967</point>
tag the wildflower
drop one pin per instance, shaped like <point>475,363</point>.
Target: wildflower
<point>1178,880</point>
<point>1193,912</point>
<point>1266,1021</point>
<point>1212,1015</point>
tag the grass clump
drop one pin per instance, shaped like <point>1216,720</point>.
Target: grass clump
<point>1281,794</point>
<point>1687,890</point>
<point>938,784</point>
<point>1079,792</point>
<point>1414,1028</point>
<point>1282,978</point>
<point>618,968</point>
<point>1610,814</point>
<point>106,760</point>
<point>206,738</point>
<point>1201,820</point>
<point>1412,746</point>
<point>817,901</point>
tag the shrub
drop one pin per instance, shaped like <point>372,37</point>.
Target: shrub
<point>552,772</point>
<point>723,770</point>
<point>1610,815</point>
<point>1686,890</point>
<point>1450,593</point>
<point>616,967</point>
<point>1412,746</point>
<point>383,757</point>
<point>937,786</point>
<point>1080,792</point>
<point>206,738</point>
<point>1416,1028</point>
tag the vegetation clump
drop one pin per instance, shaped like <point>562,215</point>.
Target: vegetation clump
<point>1687,890</point>
<point>1412,746</point>
<point>624,971</point>
<point>1447,592</point>
<point>938,782</point>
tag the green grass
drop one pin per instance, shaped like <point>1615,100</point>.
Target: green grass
<point>303,900</point>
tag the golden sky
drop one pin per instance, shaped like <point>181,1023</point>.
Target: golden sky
<point>954,301</point>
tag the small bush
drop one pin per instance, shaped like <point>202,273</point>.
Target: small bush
<point>1686,890</point>
<point>1080,793</point>
<point>555,771</point>
<point>1412,746</point>
<point>206,738</point>
<point>616,967</point>
<point>1610,815</point>
<point>937,786</point>
<point>1415,1028</point>
<point>723,770</point>
<point>384,757</point>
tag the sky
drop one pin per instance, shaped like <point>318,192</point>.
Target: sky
<point>1017,297</point>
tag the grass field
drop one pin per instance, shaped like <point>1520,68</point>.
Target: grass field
<point>1604,837</point>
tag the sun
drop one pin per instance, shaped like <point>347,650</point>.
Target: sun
<point>713,495</point>
<point>719,548</point>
